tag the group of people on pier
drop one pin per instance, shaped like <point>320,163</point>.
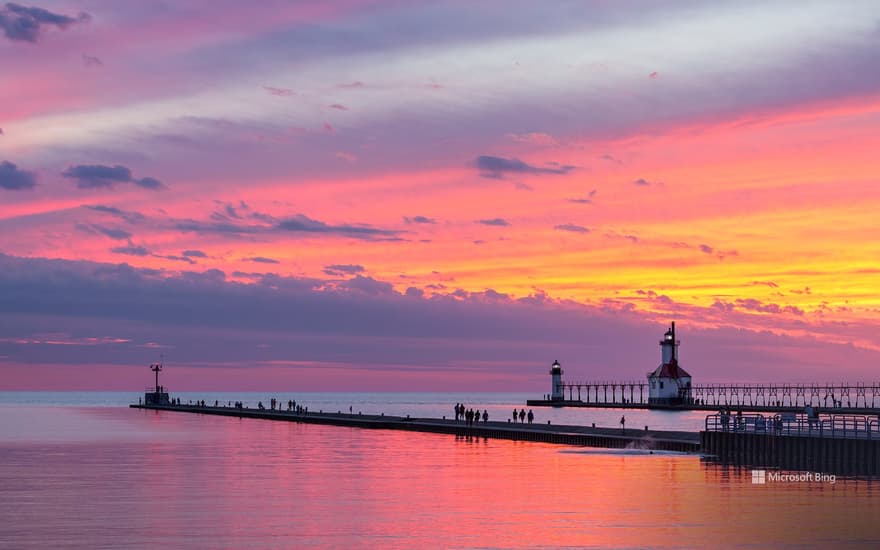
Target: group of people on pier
<point>469,415</point>
<point>522,416</point>
<point>275,404</point>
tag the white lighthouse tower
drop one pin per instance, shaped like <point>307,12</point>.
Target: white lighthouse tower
<point>556,393</point>
<point>669,384</point>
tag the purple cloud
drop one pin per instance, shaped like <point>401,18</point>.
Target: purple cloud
<point>495,222</point>
<point>14,179</point>
<point>96,176</point>
<point>303,224</point>
<point>339,270</point>
<point>128,216</point>
<point>367,319</point>
<point>111,232</point>
<point>419,220</point>
<point>498,167</point>
<point>24,24</point>
<point>571,228</point>
<point>262,260</point>
<point>130,250</point>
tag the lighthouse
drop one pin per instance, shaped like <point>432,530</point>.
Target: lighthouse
<point>669,384</point>
<point>556,393</point>
<point>159,396</point>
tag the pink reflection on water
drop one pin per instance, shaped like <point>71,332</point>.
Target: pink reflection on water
<point>135,478</point>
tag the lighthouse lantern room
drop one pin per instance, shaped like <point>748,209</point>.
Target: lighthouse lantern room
<point>669,384</point>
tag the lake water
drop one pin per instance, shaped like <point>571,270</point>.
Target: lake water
<point>80,470</point>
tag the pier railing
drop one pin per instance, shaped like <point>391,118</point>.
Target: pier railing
<point>827,395</point>
<point>831,425</point>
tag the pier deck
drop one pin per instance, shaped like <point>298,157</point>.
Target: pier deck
<point>547,433</point>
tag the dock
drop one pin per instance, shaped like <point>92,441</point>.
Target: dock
<point>679,441</point>
<point>842,444</point>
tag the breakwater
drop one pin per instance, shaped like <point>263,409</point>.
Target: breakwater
<point>846,445</point>
<point>688,442</point>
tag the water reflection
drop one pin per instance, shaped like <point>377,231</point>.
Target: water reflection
<point>202,481</point>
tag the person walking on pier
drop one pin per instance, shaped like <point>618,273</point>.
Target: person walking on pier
<point>485,415</point>
<point>514,416</point>
<point>457,411</point>
<point>531,416</point>
<point>623,424</point>
<point>522,416</point>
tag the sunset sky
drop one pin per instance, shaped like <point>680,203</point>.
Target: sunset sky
<point>448,195</point>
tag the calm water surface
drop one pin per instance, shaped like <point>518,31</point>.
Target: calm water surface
<point>112,477</point>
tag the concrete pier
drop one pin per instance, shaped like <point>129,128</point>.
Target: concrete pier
<point>837,444</point>
<point>688,442</point>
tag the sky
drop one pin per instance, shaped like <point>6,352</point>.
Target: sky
<point>437,195</point>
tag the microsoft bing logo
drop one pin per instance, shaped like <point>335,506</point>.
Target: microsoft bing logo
<point>762,477</point>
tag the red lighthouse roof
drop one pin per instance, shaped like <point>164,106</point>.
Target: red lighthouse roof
<point>670,370</point>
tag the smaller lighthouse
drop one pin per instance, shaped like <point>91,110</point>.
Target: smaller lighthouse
<point>159,396</point>
<point>556,393</point>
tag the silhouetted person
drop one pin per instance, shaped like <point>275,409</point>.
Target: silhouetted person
<point>522,416</point>
<point>531,416</point>
<point>485,415</point>
<point>622,423</point>
<point>514,416</point>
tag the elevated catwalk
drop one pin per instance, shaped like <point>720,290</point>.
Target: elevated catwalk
<point>778,398</point>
